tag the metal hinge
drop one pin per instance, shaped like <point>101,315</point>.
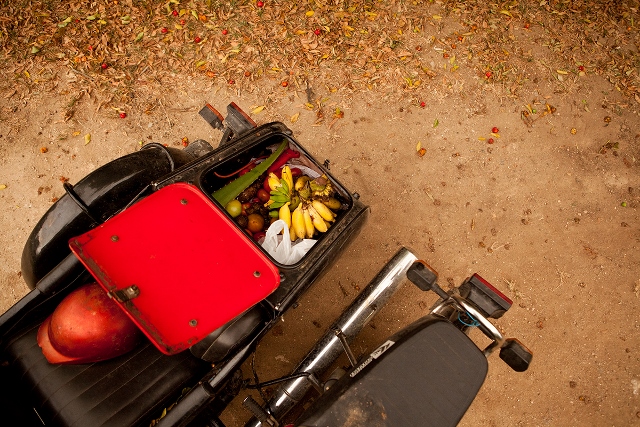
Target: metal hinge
<point>126,294</point>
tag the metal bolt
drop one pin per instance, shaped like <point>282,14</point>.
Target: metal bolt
<point>183,201</point>
<point>356,196</point>
<point>256,274</point>
<point>193,323</point>
<point>114,238</point>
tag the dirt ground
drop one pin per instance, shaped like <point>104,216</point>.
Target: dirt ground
<point>546,209</point>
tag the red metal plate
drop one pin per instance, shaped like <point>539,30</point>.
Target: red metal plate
<point>193,268</point>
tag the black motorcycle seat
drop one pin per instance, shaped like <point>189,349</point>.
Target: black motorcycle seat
<point>426,375</point>
<point>231,336</point>
<point>128,390</point>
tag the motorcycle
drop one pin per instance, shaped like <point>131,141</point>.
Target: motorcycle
<point>152,229</point>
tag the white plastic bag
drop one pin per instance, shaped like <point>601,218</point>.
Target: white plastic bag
<point>281,248</point>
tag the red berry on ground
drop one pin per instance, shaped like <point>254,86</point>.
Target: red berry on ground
<point>183,22</point>
<point>285,84</point>
<point>495,130</point>
<point>423,104</point>
<point>247,73</point>
<point>225,32</point>
<point>232,82</point>
<point>490,141</point>
<point>197,40</point>
<point>317,31</point>
<point>164,30</point>
<point>104,66</point>
<point>174,13</point>
<point>488,74</point>
<point>123,115</point>
<point>259,3</point>
<point>581,67</point>
<point>526,26</point>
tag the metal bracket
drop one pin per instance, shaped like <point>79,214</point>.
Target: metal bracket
<point>237,121</point>
<point>212,116</point>
<point>126,294</point>
<point>345,345</point>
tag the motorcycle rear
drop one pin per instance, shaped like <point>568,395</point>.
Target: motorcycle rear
<point>149,230</point>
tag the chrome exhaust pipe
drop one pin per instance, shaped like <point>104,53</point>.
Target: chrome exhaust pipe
<point>327,350</point>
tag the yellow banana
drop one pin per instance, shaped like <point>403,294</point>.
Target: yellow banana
<point>292,234</point>
<point>323,210</point>
<point>297,223</point>
<point>317,220</point>
<point>286,175</point>
<point>308,223</point>
<point>285,214</point>
<point>332,203</point>
<point>274,181</point>
<point>301,181</point>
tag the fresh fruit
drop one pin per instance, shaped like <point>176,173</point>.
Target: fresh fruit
<point>263,195</point>
<point>297,222</point>
<point>295,202</point>
<point>197,39</point>
<point>317,31</point>
<point>273,181</point>
<point>323,210</point>
<point>225,32</point>
<point>285,214</point>
<point>495,130</point>
<point>123,115</point>
<point>255,222</point>
<point>234,208</point>
<point>174,13</point>
<point>332,203</point>
<point>321,186</point>
<point>104,66</point>
<point>300,182</point>
<point>308,223</point>
<point>316,219</point>
<point>260,3</point>
<point>288,178</point>
<point>164,30</point>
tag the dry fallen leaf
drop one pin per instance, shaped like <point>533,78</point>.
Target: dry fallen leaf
<point>87,139</point>
<point>295,117</point>
<point>258,109</point>
<point>3,186</point>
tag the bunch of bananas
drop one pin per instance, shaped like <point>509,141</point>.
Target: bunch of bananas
<point>305,207</point>
<point>281,190</point>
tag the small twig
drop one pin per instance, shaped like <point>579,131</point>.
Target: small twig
<point>562,275</point>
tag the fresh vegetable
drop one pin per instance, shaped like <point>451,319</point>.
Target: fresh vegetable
<point>287,155</point>
<point>234,188</point>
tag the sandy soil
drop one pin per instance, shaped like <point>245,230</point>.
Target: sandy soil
<point>547,214</point>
